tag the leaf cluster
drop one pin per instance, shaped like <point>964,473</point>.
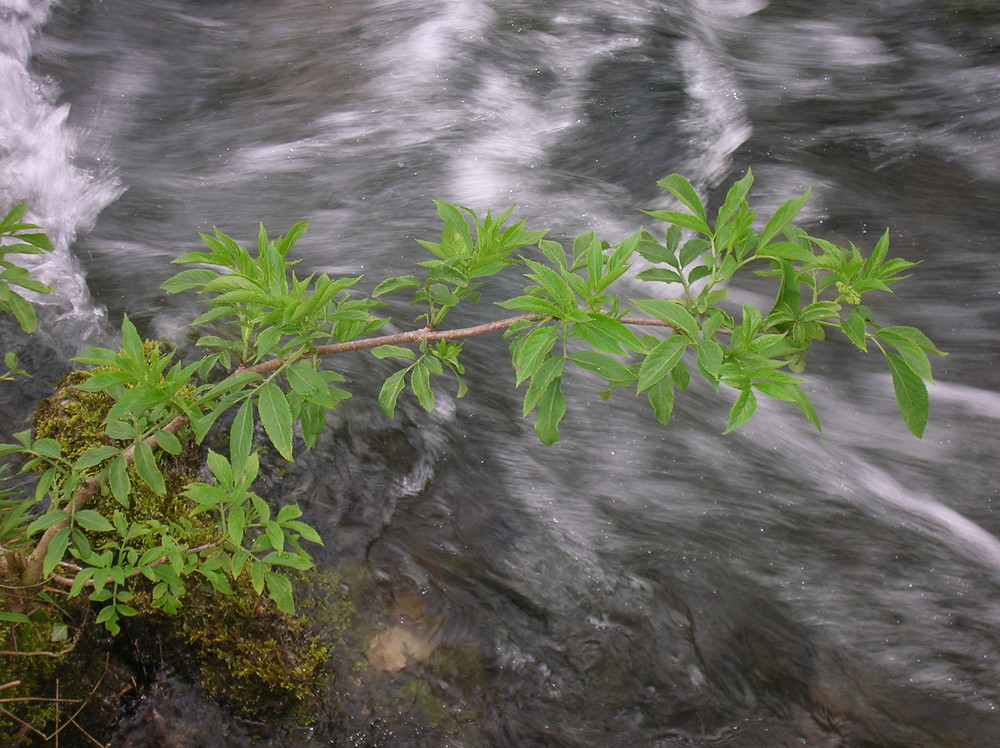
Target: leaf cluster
<point>268,331</point>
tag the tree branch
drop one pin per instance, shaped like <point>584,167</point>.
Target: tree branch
<point>34,564</point>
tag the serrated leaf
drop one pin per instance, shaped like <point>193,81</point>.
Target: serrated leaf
<point>551,409</point>
<point>276,418</point>
<point>608,335</point>
<point>145,465</point>
<point>188,279</point>
<point>660,361</point>
<point>550,369</point>
<point>734,199</point>
<point>671,312</point>
<point>661,397</point>
<point>95,456</point>
<point>531,304</point>
<point>420,383</point>
<point>279,589</point>
<point>602,365</point>
<point>786,251</point>
<point>394,284</point>
<point>55,552</point>
<point>660,275</point>
<point>531,350</point>
<point>389,393</point>
<point>393,351</point>
<point>681,219</point>
<point>88,519</point>
<point>710,359</point>
<point>911,394</point>
<point>46,521</point>
<point>681,188</point>
<point>236,525</point>
<point>119,481</point>
<point>241,435</point>
<point>743,408</point>
<point>47,448</point>
<point>781,218</point>
<point>854,327</point>
<point>914,356</point>
<point>307,532</point>
<point>168,442</point>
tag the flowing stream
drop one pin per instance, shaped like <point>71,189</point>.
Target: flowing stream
<point>631,585</point>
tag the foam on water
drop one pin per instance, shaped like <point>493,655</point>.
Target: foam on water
<point>37,150</point>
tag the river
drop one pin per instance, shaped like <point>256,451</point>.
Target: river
<point>631,585</point>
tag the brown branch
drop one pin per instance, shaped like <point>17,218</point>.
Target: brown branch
<point>430,335</point>
<point>33,565</point>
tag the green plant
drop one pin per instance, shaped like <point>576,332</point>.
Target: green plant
<point>271,329</point>
<point>19,237</point>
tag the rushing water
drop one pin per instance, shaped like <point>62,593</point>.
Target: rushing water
<point>630,585</point>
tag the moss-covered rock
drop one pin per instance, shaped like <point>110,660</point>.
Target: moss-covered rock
<point>75,418</point>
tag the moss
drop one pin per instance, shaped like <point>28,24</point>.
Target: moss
<point>32,667</point>
<point>75,418</point>
<point>255,659</point>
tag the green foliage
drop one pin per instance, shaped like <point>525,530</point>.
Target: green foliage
<point>117,517</point>
<point>18,237</point>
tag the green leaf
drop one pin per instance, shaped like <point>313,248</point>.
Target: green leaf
<point>119,481</point>
<point>241,435</point>
<point>661,397</point>
<point>530,351</point>
<point>657,253</point>
<point>420,383</point>
<point>394,284</point>
<point>911,352</point>
<point>168,442</point>
<point>389,393</point>
<point>279,589</point>
<point>306,531</point>
<point>47,448</point>
<point>734,199</point>
<point>393,351</point>
<point>681,219</point>
<point>188,279</point>
<point>911,394</point>
<point>23,311</point>
<point>145,465</point>
<point>743,408</point>
<point>531,304</point>
<point>710,359</point>
<point>236,525</point>
<point>551,409</point>
<point>95,456</point>
<point>55,552</point>
<point>781,218</point>
<point>608,335</point>
<point>660,361</point>
<point>912,334</point>
<point>550,369</point>
<point>681,188</point>
<point>604,366</point>
<point>276,417</point>
<point>786,251</point>
<point>854,328</point>
<point>661,275</point>
<point>131,342</point>
<point>671,312</point>
<point>46,521</point>
<point>554,284</point>
<point>88,519</point>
